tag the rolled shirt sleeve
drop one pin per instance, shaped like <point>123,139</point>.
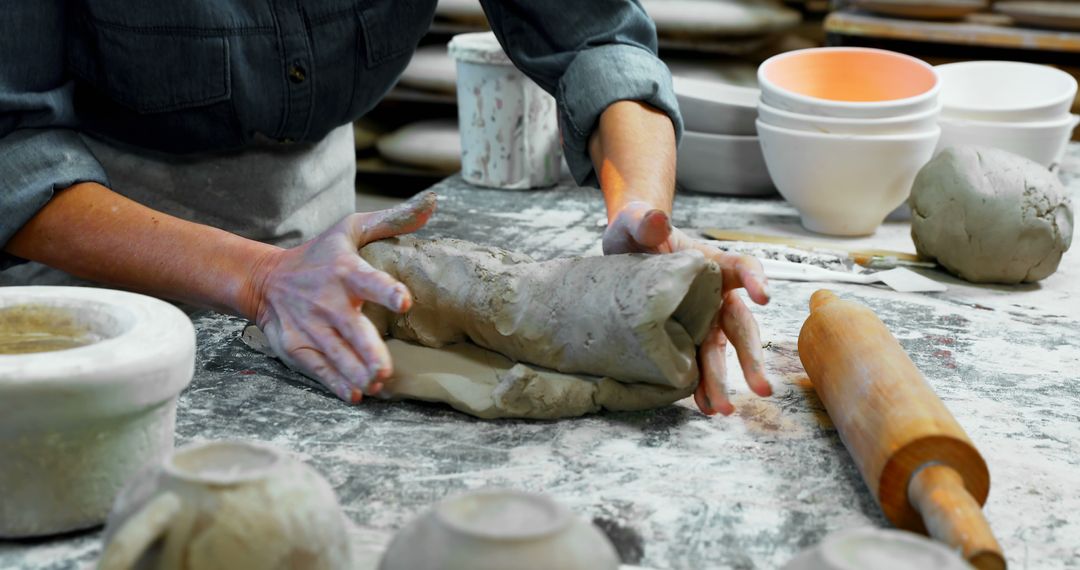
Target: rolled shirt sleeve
<point>39,153</point>
<point>588,55</point>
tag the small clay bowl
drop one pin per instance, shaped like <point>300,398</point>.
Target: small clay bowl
<point>848,82</point>
<point>498,529</point>
<point>227,504</point>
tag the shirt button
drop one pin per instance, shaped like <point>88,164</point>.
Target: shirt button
<point>297,73</point>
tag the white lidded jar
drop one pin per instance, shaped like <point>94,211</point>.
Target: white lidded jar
<point>88,386</point>
<point>509,127</point>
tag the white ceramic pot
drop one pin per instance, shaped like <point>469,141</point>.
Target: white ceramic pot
<point>723,164</point>
<point>877,549</point>
<point>844,185</point>
<point>716,108</point>
<point>1005,91</point>
<point>916,123</point>
<point>226,505</point>
<point>509,127</point>
<point>1044,142</point>
<point>78,422</point>
<point>494,530</point>
<point>848,82</point>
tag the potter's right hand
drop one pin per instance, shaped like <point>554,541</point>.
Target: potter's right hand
<point>308,300</point>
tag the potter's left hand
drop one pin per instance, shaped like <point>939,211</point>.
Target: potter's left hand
<point>640,228</point>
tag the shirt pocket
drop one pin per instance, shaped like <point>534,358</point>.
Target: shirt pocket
<point>393,29</point>
<point>151,72</point>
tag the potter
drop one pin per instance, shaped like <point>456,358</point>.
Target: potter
<point>210,162</point>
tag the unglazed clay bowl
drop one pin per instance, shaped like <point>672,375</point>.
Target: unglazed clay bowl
<point>879,549</point>
<point>716,108</point>
<point>1044,141</point>
<point>1005,91</point>
<point>848,82</point>
<point>227,504</point>
<point>915,123</point>
<point>722,164</point>
<point>844,185</point>
<point>88,385</point>
<point>497,529</point>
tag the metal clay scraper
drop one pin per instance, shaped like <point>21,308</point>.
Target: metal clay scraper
<point>899,279</point>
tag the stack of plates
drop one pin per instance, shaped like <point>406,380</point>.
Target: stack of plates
<point>719,152</point>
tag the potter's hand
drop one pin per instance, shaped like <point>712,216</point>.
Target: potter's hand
<point>640,228</point>
<point>310,298</point>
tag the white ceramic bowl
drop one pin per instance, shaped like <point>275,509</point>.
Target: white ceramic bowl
<point>844,185</point>
<point>1005,91</point>
<point>914,123</point>
<point>715,107</point>
<point>848,82</point>
<point>76,423</point>
<point>723,164</point>
<point>497,529</point>
<point>1044,142</point>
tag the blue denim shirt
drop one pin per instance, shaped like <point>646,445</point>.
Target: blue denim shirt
<point>191,76</point>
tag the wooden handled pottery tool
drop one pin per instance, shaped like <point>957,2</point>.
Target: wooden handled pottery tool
<point>919,464</point>
<point>861,256</point>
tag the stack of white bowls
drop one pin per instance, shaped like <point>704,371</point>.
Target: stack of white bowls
<point>1019,107</point>
<point>844,131</point>
<point>719,152</point>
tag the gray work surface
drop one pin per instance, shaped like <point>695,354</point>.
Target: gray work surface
<point>674,488</point>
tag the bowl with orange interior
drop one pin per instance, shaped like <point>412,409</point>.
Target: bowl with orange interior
<point>844,131</point>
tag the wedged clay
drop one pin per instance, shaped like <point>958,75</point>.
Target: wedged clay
<point>990,216</point>
<point>614,332</point>
<point>88,385</point>
<point>636,318</point>
<point>226,505</point>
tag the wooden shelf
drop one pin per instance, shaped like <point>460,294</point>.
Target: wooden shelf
<point>974,32</point>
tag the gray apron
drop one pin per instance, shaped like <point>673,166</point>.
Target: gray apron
<point>283,194</point>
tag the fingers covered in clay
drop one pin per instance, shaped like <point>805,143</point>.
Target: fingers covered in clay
<point>711,394</point>
<point>407,217</point>
<point>740,272</point>
<point>637,228</point>
<point>370,284</point>
<point>742,330</point>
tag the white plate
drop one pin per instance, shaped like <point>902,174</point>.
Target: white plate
<point>719,17</point>
<point>431,68</point>
<point>435,145</point>
<point>717,108</point>
<point>723,164</point>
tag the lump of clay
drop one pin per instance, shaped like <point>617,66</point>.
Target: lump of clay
<point>636,318</point>
<point>990,216</point>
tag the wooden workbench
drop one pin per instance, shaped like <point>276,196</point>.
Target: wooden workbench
<point>676,489</point>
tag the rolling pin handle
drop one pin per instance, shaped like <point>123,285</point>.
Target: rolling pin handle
<point>820,298</point>
<point>953,516</point>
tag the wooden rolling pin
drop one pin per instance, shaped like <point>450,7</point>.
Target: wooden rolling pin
<point>918,462</point>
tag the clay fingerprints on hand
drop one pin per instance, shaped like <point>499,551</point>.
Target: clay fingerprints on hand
<point>312,297</point>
